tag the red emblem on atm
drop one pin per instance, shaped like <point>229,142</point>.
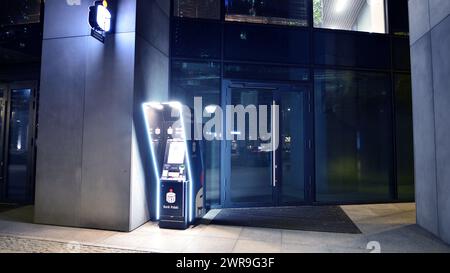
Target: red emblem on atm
<point>171,197</point>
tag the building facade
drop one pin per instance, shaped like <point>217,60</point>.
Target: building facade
<point>339,70</point>
<point>342,72</point>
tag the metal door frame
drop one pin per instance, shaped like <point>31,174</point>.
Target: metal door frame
<point>277,88</point>
<point>3,112</point>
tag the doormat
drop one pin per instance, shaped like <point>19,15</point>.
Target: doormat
<point>308,218</point>
<point>7,207</point>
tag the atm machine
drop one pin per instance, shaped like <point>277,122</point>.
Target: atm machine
<point>177,164</point>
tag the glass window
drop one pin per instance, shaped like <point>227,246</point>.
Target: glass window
<point>347,49</point>
<point>265,72</point>
<point>279,12</point>
<point>206,9</point>
<point>356,15</point>
<point>353,134</point>
<point>14,12</point>
<point>261,43</point>
<point>19,141</point>
<point>404,137</point>
<point>398,17</point>
<point>201,79</point>
<point>196,39</point>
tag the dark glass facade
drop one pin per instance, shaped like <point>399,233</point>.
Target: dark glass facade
<point>353,128</point>
<point>355,145</point>
<point>20,61</point>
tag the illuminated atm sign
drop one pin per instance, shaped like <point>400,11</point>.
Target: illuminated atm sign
<point>100,20</point>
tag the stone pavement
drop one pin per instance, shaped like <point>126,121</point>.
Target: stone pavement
<point>385,228</point>
<point>14,244</point>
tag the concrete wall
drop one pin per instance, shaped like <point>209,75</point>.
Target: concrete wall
<point>151,83</point>
<point>90,160</point>
<point>430,41</point>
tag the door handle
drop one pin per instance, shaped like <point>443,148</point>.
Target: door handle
<point>274,153</point>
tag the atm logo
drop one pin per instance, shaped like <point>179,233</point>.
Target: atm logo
<point>171,197</point>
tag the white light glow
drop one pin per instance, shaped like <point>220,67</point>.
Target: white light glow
<point>178,106</point>
<point>191,184</point>
<point>341,5</point>
<point>154,159</point>
<point>175,104</point>
<point>103,18</point>
<point>156,105</point>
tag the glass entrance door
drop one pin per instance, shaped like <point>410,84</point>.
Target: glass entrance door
<point>17,145</point>
<point>251,158</point>
<point>265,161</point>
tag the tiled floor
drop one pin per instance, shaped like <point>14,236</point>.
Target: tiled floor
<point>391,226</point>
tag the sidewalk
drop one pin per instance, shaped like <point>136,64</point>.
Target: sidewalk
<point>392,226</point>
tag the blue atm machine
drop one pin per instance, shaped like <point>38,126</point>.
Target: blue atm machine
<point>177,165</point>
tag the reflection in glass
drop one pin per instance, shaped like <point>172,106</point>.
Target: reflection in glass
<point>251,164</point>
<point>356,15</point>
<point>398,17</point>
<point>404,140</point>
<point>201,79</point>
<point>206,9</point>
<point>193,39</point>
<point>353,123</point>
<point>266,44</point>
<point>292,145</point>
<point>265,72</point>
<point>19,137</point>
<point>17,12</point>
<point>277,12</point>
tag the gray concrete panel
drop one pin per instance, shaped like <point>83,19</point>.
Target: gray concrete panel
<point>440,37</point>
<point>105,191</point>
<point>125,17</point>
<point>424,134</point>
<point>58,170</point>
<point>165,6</point>
<point>66,18</point>
<point>153,25</point>
<point>152,72</point>
<point>419,19</point>
<point>440,9</point>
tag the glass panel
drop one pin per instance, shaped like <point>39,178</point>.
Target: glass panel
<point>196,39</point>
<point>2,117</point>
<point>260,43</point>
<point>292,144</point>
<point>201,79</point>
<point>265,72</point>
<point>404,130</point>
<point>19,137</point>
<point>251,166</point>
<point>353,123</point>
<point>348,49</point>
<point>398,17</point>
<point>207,9</point>
<point>14,12</point>
<point>356,15</point>
<point>279,12</point>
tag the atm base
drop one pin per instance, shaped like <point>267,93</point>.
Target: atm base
<point>173,225</point>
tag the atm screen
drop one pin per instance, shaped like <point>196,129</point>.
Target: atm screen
<point>177,151</point>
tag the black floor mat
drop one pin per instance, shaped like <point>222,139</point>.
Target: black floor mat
<point>7,207</point>
<point>308,218</point>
